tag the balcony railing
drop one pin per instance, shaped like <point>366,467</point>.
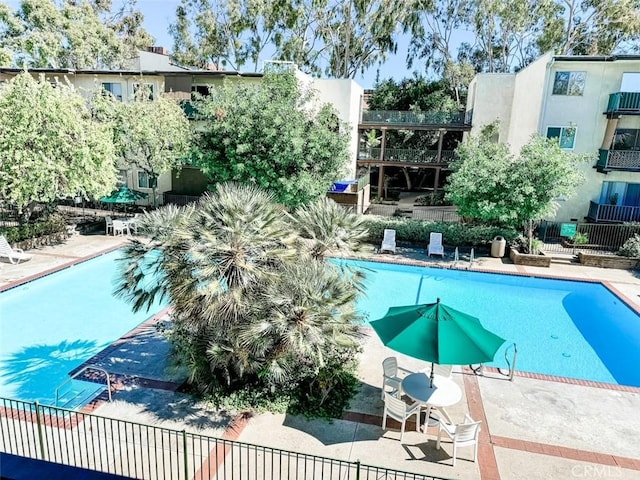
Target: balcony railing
<point>599,212</point>
<point>626,160</point>
<point>409,155</point>
<point>624,102</point>
<point>393,117</point>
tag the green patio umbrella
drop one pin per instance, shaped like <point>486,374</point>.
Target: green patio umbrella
<point>124,195</point>
<point>437,333</point>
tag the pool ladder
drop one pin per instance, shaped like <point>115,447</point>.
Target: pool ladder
<point>81,371</point>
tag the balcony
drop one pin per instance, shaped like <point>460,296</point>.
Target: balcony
<point>415,119</point>
<point>600,212</point>
<point>403,156</point>
<point>623,103</point>
<point>618,160</point>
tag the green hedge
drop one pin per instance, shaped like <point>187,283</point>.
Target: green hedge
<point>54,224</point>
<point>417,231</point>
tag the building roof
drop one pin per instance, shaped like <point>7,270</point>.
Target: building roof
<point>596,58</point>
<point>166,73</point>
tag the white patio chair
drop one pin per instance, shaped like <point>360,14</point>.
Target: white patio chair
<point>400,411</point>
<point>390,376</point>
<point>435,244</point>
<point>442,370</point>
<point>120,227</point>
<point>462,434</point>
<point>389,241</point>
<point>109,225</point>
<point>15,255</point>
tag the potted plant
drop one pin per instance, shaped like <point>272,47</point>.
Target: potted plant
<point>528,251</point>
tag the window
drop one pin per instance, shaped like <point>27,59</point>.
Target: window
<point>200,90</point>
<point>626,139</point>
<point>630,82</point>
<point>146,181</point>
<point>566,136</point>
<point>620,193</point>
<point>569,83</point>
<point>149,88</point>
<point>114,89</point>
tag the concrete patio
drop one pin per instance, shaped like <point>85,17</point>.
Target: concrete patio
<point>532,428</point>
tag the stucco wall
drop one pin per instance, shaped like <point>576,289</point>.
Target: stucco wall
<point>345,95</point>
<point>491,99</point>
<point>527,105</point>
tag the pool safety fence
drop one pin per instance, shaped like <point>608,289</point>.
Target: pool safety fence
<point>589,237</point>
<point>150,452</point>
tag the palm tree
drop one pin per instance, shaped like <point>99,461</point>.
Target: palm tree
<point>249,299</point>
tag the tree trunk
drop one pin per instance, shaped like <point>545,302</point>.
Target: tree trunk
<point>407,177</point>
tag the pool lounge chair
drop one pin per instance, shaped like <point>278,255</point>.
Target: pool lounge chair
<point>389,241</point>
<point>435,244</point>
<point>15,255</point>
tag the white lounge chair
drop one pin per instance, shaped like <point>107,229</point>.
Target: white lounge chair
<point>435,244</point>
<point>389,241</point>
<point>463,435</point>
<point>15,255</point>
<point>400,411</point>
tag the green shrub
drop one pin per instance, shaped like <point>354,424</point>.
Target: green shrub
<point>417,231</point>
<point>580,238</point>
<point>631,247</point>
<point>53,224</point>
<point>521,243</point>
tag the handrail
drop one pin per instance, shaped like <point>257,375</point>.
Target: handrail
<point>82,370</point>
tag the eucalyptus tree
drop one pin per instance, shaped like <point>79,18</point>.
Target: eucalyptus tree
<point>339,38</point>
<point>250,303</point>
<point>593,27</point>
<point>49,145</point>
<point>71,34</point>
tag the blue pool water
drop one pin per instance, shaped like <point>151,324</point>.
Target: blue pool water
<point>52,325</point>
<point>570,329</point>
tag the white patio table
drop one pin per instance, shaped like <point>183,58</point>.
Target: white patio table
<point>444,393</point>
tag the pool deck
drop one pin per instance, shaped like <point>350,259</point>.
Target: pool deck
<point>535,427</point>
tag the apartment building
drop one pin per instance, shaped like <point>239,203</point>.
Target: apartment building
<point>590,104</point>
<point>154,70</point>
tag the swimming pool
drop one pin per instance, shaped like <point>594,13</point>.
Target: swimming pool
<point>565,328</point>
<point>54,324</point>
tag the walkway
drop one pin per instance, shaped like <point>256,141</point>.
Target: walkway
<point>533,427</point>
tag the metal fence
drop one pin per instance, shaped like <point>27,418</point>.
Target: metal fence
<point>600,237</point>
<point>432,214</point>
<point>149,452</point>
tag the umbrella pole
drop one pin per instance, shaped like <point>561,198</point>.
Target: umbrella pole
<point>431,377</point>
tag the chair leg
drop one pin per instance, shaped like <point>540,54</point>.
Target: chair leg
<point>454,453</point>
<point>384,419</point>
<point>439,433</point>
<point>402,429</point>
<point>475,452</point>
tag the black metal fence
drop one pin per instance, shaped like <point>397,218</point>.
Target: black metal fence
<point>432,214</point>
<point>599,237</point>
<point>149,452</point>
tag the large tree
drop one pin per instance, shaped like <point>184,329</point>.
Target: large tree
<point>49,145</point>
<point>490,184</point>
<point>250,302</point>
<point>272,134</point>
<point>338,38</point>
<point>152,135</point>
<point>71,34</point>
